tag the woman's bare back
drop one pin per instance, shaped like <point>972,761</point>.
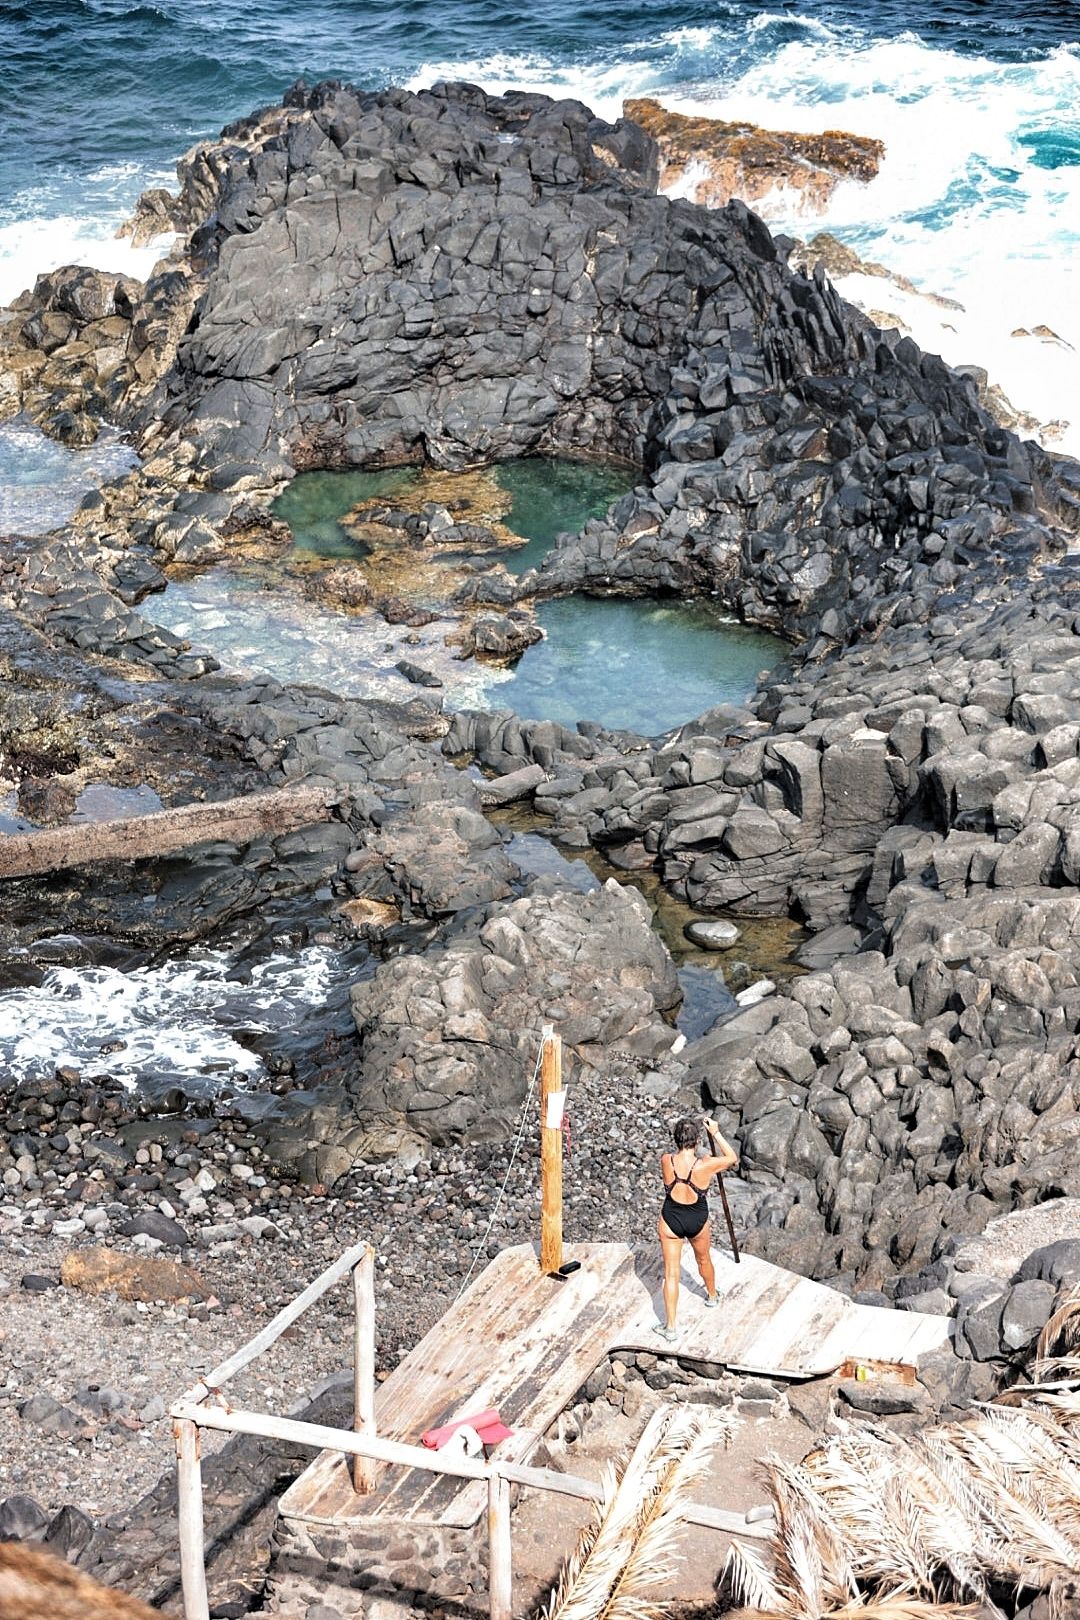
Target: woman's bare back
<point>680,1185</point>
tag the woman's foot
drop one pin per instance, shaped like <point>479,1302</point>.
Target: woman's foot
<point>712,1301</point>
<point>665,1332</point>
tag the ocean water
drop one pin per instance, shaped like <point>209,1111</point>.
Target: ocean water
<point>200,1022</point>
<point>978,102</point>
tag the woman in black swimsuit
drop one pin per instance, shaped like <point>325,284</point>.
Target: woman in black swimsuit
<point>684,1216</point>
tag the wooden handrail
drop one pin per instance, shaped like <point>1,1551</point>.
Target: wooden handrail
<point>217,1379</point>
<point>320,1437</point>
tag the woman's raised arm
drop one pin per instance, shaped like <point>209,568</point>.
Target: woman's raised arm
<point>723,1156</point>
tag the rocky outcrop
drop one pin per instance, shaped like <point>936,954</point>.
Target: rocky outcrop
<point>448,1038</point>
<point>457,277</point>
<point>710,161</point>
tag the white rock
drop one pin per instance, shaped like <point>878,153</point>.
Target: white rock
<point>755,993</point>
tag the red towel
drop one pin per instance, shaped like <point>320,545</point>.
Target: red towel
<point>488,1425</point>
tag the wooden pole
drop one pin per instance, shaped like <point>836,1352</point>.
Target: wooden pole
<point>190,1503</point>
<point>500,1566</point>
<point>550,1153</point>
<point>728,1219</point>
<point>363,1468</point>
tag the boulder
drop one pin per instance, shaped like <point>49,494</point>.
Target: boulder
<point>712,933</point>
<point>449,1037</point>
<point>1027,1307</point>
<point>1057,1263</point>
<point>22,1519</point>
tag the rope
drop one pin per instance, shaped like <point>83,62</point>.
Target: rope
<point>518,1139</point>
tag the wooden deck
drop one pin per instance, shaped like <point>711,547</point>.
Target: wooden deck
<point>526,1343</point>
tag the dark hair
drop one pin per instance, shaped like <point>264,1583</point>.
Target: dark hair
<point>687,1132</point>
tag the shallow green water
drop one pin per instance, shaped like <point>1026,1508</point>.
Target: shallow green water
<point>553,497</point>
<point>640,665</point>
<point>549,497</point>
<point>315,502</point>
<point>637,665</point>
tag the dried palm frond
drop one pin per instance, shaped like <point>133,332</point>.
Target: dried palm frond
<point>751,1582</point>
<point>1038,1549</point>
<point>811,1557</point>
<point>874,1522</point>
<point>1058,1349</point>
<point>627,1551</point>
<point>687,1444</point>
<point>897,1607</point>
<point>864,1477</point>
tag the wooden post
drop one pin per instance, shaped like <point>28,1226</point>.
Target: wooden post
<point>190,1503</point>
<point>363,1468</point>
<point>500,1567</point>
<point>550,1154</point>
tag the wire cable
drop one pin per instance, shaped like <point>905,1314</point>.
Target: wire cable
<point>518,1139</point>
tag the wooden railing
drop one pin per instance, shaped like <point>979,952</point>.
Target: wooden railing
<point>204,1407</point>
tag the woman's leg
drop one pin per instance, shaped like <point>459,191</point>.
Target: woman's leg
<point>671,1248</point>
<point>702,1247</point>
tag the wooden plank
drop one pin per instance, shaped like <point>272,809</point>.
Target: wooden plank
<point>788,1335</point>
<point>164,832</point>
<point>525,1343</point>
<point>539,1374</point>
<point>875,1333</point>
<point>554,1382</point>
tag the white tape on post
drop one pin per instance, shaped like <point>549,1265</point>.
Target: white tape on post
<point>556,1103</point>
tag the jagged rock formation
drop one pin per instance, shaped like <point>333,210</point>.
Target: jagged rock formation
<point>449,275</point>
<point>711,160</point>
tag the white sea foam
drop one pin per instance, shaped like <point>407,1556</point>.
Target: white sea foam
<point>179,1021</point>
<point>960,206</point>
<point>29,247</point>
<point>74,220</point>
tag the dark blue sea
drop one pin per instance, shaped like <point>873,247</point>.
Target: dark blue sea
<point>978,102</point>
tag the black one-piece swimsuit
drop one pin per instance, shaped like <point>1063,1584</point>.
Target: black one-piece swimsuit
<point>684,1220</point>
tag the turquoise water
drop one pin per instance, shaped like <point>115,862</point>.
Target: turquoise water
<point>549,496</point>
<point>315,502</point>
<point>636,665</point>
<point>640,665</point>
<point>553,497</point>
